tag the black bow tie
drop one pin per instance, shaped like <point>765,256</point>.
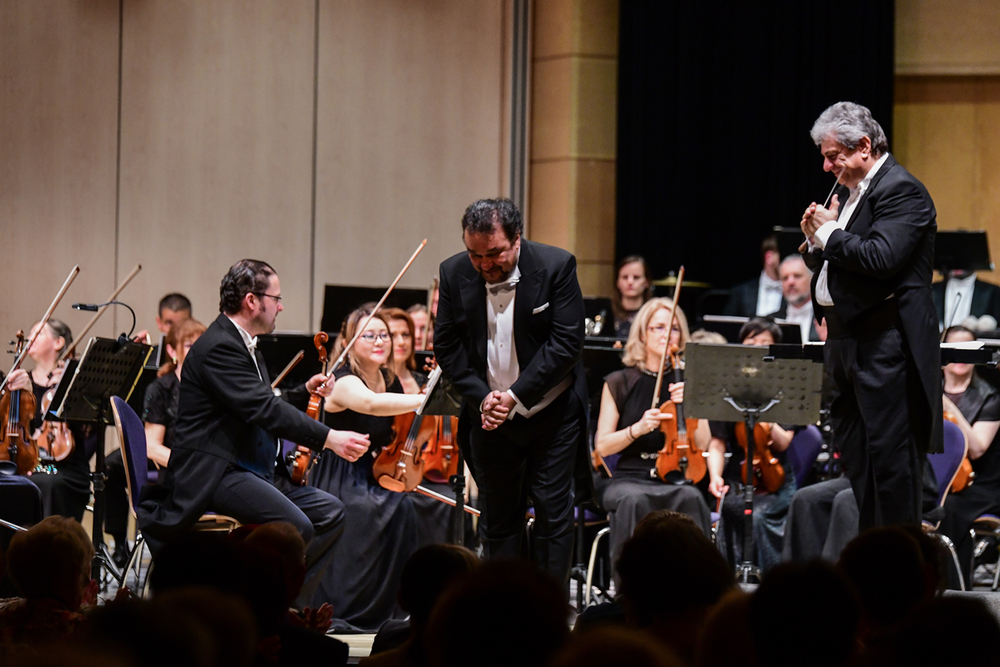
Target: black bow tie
<point>506,286</point>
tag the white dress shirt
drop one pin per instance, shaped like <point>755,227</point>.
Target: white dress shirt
<point>502,368</point>
<point>822,235</point>
<point>958,299</point>
<point>768,294</point>
<point>251,343</point>
<point>803,316</point>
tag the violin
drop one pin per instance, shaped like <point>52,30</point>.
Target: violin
<point>17,409</point>
<point>303,457</point>
<point>441,455</point>
<point>55,438</point>
<point>767,470</point>
<point>680,461</point>
<point>400,466</point>
<point>965,475</point>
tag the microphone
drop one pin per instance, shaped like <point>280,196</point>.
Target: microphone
<point>86,306</point>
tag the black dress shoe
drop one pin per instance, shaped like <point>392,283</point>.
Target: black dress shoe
<point>121,555</point>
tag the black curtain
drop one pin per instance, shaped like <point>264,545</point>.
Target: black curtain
<point>715,102</point>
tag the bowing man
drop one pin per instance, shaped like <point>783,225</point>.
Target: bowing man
<point>872,252</point>
<point>509,335</point>
<point>228,422</point>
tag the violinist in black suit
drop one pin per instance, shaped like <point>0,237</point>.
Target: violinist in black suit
<point>873,257</point>
<point>228,422</point>
<point>509,335</point>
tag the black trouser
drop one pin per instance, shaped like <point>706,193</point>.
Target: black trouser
<point>530,457</point>
<point>317,515</point>
<point>878,419</point>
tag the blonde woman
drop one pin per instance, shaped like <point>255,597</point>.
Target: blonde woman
<point>629,428</point>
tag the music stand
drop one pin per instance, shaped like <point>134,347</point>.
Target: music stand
<point>443,400</point>
<point>730,383</point>
<point>108,367</point>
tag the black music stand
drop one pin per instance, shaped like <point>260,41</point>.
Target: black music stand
<point>443,400</point>
<point>732,382</point>
<point>108,367</point>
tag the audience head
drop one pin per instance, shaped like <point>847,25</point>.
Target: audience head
<point>819,616</point>
<point>503,613</point>
<point>886,567</point>
<point>760,331</point>
<point>614,645</point>
<point>427,575</point>
<point>654,313</point>
<point>200,559</point>
<point>174,308</point>
<point>284,541</point>
<point>949,629</point>
<point>725,639</point>
<point>52,560</point>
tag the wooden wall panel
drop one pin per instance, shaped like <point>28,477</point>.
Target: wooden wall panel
<point>957,37</point>
<point>58,90</point>
<point>945,134</point>
<point>410,111</point>
<point>217,141</point>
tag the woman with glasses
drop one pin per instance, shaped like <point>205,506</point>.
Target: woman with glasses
<point>629,428</point>
<point>380,528</point>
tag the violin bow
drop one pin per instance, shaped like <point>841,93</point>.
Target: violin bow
<point>670,329</point>
<point>45,318</point>
<point>288,369</point>
<point>357,334</point>
<point>93,320</point>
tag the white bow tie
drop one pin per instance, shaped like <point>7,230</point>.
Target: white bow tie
<point>252,345</point>
<point>506,286</point>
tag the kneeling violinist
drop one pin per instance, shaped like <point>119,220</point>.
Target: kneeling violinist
<point>774,484</point>
<point>628,431</point>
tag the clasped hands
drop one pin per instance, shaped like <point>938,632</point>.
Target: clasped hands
<point>815,216</point>
<point>495,408</point>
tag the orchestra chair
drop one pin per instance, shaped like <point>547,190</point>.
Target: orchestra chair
<point>132,436</point>
<point>986,536</point>
<point>803,451</point>
<point>945,466</point>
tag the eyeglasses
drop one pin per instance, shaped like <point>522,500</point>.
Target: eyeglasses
<point>370,336</point>
<point>277,299</point>
<point>661,329</point>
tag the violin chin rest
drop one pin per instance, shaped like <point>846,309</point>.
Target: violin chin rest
<point>8,468</point>
<point>391,484</point>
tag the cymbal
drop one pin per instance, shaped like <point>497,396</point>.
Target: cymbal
<point>671,281</point>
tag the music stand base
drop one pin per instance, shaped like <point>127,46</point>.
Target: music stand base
<point>746,570</point>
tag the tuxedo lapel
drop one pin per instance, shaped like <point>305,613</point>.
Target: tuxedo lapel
<point>889,163</point>
<point>473,289</point>
<point>527,290</point>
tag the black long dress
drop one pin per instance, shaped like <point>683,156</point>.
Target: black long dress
<point>65,486</point>
<point>380,530</point>
<point>631,493</point>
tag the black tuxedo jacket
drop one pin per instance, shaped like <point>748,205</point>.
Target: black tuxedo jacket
<point>226,411</point>
<point>985,300</point>
<point>887,248</point>
<point>782,313</point>
<point>548,327</point>
<point>743,299</point>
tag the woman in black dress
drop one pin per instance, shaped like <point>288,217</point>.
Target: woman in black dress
<point>629,429</point>
<point>380,529</point>
<point>65,486</point>
<point>975,405</point>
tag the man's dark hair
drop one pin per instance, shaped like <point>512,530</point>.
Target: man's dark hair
<point>247,276</point>
<point>483,216</point>
<point>758,325</point>
<point>769,244</point>
<point>176,302</point>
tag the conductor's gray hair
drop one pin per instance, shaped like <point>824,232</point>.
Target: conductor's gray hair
<point>848,123</point>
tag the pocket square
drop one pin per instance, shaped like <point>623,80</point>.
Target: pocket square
<point>540,308</point>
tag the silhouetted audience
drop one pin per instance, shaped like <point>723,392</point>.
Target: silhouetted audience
<point>725,639</point>
<point>503,613</point>
<point>607,646</point>
<point>50,565</point>
<point>671,575</point>
<point>427,575</point>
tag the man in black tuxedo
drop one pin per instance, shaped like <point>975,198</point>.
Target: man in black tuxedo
<point>228,422</point>
<point>509,335</point>
<point>964,295</point>
<point>873,257</point>
<point>762,295</point>
<point>797,307</point>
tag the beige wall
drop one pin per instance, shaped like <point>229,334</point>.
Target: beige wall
<point>219,151</point>
<point>947,111</point>
<point>574,133</point>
